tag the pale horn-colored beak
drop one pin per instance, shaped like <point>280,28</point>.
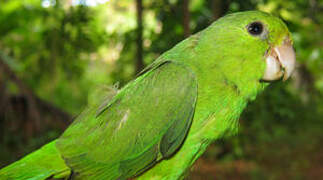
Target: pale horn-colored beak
<point>280,62</point>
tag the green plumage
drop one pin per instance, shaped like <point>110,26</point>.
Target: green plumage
<point>140,122</point>
<point>160,123</point>
<point>42,164</point>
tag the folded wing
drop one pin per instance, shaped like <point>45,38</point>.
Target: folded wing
<point>147,121</point>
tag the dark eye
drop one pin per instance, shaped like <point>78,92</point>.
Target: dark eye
<point>255,28</point>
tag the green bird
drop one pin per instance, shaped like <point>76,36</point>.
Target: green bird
<point>159,124</point>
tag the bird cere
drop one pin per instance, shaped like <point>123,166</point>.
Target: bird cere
<point>159,124</point>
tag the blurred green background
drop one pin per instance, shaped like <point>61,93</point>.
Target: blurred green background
<point>53,54</point>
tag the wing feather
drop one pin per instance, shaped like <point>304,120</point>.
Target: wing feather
<point>144,123</point>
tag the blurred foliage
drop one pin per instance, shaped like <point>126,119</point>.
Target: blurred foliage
<point>63,50</point>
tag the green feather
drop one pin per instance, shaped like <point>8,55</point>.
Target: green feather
<point>41,164</point>
<point>160,123</point>
<point>143,125</point>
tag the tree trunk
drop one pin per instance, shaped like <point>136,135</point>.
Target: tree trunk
<point>32,109</point>
<point>219,8</point>
<point>186,18</point>
<point>139,62</point>
<point>34,105</point>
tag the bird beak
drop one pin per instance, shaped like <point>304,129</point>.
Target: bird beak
<point>280,61</point>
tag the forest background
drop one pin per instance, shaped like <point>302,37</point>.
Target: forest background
<point>53,54</point>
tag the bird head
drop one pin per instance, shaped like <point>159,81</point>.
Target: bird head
<point>249,46</point>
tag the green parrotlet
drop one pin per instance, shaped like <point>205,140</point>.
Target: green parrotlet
<point>158,125</point>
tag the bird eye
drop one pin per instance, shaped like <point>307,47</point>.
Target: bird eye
<point>255,28</point>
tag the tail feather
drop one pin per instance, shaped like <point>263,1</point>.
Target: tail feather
<point>41,164</point>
